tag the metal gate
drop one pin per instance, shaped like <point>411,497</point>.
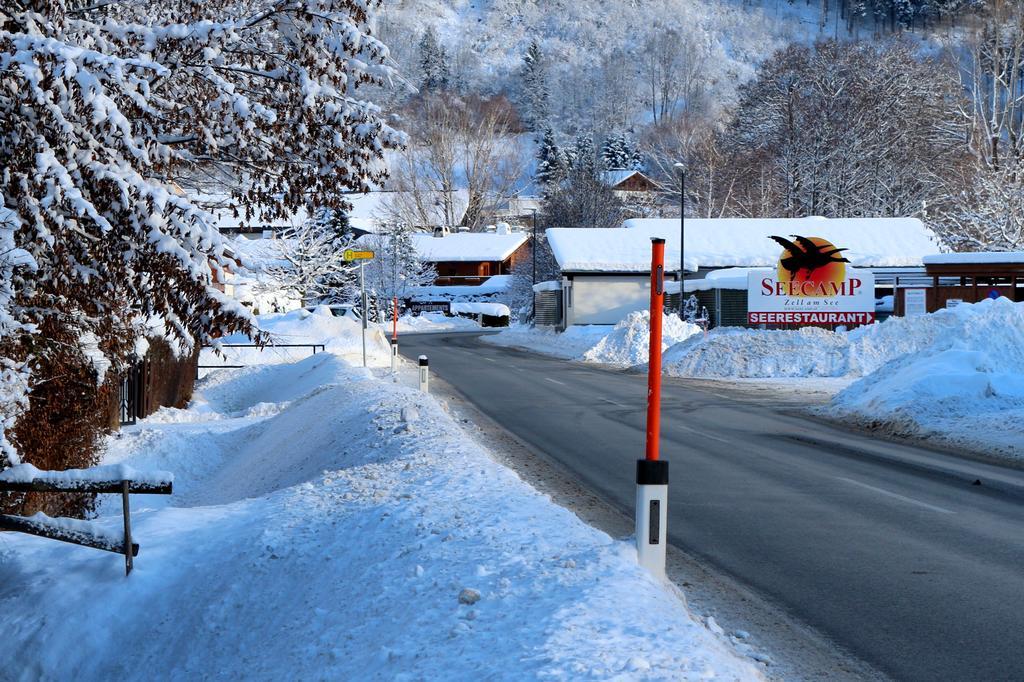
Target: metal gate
<point>131,394</point>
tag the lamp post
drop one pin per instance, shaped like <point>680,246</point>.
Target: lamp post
<point>533,250</point>
<point>682,234</point>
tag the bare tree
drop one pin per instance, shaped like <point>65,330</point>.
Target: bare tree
<point>674,64</point>
<point>457,145</point>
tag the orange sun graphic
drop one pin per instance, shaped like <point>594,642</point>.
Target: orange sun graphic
<point>819,266</point>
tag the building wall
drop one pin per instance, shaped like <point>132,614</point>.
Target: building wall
<point>599,299</point>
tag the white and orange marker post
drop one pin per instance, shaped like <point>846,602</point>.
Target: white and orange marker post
<point>394,335</point>
<point>651,472</point>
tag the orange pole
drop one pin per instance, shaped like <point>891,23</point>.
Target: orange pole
<point>654,366</point>
<point>394,328</point>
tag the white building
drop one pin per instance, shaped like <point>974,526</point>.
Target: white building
<point>606,271</point>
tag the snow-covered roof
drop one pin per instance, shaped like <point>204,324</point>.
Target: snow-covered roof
<point>726,278</point>
<point>738,242</point>
<point>978,257</point>
<point>619,175</point>
<point>467,246</point>
<point>371,209</point>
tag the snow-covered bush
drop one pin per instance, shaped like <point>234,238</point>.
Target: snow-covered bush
<point>103,108</point>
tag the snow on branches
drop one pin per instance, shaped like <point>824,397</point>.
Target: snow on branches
<point>104,106</point>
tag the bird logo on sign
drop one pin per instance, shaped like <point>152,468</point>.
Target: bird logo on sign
<point>810,259</point>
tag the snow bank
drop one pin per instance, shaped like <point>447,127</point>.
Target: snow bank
<point>352,533</point>
<point>629,342</point>
<point>960,379</point>
<point>760,353</point>
<point>570,344</point>
<point>340,335</point>
<point>807,352</point>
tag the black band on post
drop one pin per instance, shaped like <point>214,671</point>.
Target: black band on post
<point>651,472</point>
<point>423,361</point>
<point>657,240</point>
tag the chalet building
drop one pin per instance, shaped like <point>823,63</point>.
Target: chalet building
<point>469,258</point>
<point>606,271</point>
<point>628,184</point>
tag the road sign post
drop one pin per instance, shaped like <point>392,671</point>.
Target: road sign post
<point>361,256</point>
<point>362,297</point>
<point>651,472</point>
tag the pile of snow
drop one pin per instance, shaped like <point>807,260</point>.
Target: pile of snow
<point>756,353</point>
<point>329,525</point>
<point>570,344</point>
<point>956,375</point>
<point>814,352</point>
<point>628,343</point>
<point>960,377</point>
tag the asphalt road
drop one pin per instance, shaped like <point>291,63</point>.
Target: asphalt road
<point>888,549</point>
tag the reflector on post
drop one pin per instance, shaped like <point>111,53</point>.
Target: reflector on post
<point>424,374</point>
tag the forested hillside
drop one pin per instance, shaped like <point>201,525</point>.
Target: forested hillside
<point>915,110</point>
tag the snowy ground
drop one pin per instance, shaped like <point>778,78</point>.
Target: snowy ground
<point>330,524</point>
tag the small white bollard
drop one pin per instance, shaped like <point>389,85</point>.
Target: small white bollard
<point>394,354</point>
<point>424,374</point>
<point>651,514</point>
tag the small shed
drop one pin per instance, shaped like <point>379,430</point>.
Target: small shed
<point>952,278</point>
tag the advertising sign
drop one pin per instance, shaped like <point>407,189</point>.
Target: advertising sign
<point>914,302</point>
<point>811,285</point>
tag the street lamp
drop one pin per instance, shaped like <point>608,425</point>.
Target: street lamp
<point>533,250</point>
<point>682,233</point>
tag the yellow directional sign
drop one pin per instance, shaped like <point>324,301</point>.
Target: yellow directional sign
<point>357,255</point>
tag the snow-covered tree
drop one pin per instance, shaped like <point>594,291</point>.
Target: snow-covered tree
<point>987,214</point>
<point>434,70</point>
<point>396,269</point>
<point>583,156</point>
<point>104,106</point>
<point>551,162</point>
<point>536,94</point>
<point>463,161</point>
<point>618,153</point>
<point>311,266</point>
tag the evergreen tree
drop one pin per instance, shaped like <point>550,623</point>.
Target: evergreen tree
<point>617,153</point>
<point>583,157</point>
<point>434,72</point>
<point>536,95</point>
<point>551,161</point>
